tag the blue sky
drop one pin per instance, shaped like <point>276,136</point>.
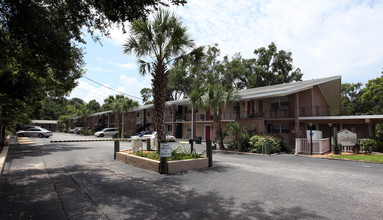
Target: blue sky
<point>326,38</point>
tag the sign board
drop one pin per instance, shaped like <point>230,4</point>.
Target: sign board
<point>347,138</point>
<point>166,150</point>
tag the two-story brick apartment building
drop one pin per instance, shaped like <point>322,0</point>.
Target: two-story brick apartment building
<point>283,110</point>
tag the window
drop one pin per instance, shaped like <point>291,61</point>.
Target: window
<point>189,128</point>
<point>278,128</point>
<point>284,101</point>
<point>274,103</point>
<point>148,114</point>
<point>280,102</point>
<point>169,128</point>
<point>285,128</point>
<point>138,114</point>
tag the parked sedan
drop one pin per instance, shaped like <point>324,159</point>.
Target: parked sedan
<point>141,134</point>
<point>107,132</point>
<point>154,134</point>
<point>35,132</point>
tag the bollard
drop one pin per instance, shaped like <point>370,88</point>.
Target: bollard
<point>148,148</point>
<point>116,148</point>
<point>239,145</point>
<point>191,146</point>
<point>268,150</point>
<point>163,166</point>
<point>209,152</point>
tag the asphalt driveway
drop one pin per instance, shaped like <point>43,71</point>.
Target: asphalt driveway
<point>82,181</point>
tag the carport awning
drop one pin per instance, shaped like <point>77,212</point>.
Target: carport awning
<point>347,119</point>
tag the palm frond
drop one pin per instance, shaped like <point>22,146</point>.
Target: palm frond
<point>145,67</point>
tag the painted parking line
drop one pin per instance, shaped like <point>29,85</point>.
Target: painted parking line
<point>24,140</point>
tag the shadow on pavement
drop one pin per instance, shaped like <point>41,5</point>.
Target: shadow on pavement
<point>87,192</point>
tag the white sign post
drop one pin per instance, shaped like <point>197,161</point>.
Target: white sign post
<point>166,150</point>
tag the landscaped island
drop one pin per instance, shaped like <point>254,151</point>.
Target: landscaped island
<point>150,160</point>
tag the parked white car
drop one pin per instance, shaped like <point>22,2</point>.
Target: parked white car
<point>154,134</point>
<point>35,132</point>
<point>107,132</point>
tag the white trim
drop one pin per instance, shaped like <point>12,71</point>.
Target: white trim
<point>342,117</point>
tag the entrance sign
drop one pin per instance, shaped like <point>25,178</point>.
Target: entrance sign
<point>166,150</point>
<point>347,138</point>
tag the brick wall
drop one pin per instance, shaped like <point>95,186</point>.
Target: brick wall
<point>257,124</point>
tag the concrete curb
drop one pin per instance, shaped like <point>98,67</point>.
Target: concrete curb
<point>4,153</point>
<point>245,153</point>
<point>341,159</point>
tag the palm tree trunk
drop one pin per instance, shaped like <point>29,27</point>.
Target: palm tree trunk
<point>218,130</point>
<point>159,83</point>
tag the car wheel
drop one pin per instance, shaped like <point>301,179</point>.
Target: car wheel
<point>101,135</point>
<point>41,135</point>
<point>20,135</point>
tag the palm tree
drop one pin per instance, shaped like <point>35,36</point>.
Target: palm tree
<point>214,97</point>
<point>123,105</point>
<point>84,114</point>
<point>162,41</point>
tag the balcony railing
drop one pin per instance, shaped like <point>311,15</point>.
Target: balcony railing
<point>267,114</point>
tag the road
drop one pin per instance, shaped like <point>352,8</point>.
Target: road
<point>82,181</point>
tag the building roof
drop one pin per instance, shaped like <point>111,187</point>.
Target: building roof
<point>329,86</point>
<point>44,121</point>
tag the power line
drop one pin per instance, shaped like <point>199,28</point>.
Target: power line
<point>92,92</point>
<point>111,88</point>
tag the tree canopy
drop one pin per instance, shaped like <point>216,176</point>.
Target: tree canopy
<point>270,66</point>
<point>39,43</point>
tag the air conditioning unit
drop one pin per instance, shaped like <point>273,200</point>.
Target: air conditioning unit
<point>316,134</point>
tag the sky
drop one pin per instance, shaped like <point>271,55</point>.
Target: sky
<point>325,37</point>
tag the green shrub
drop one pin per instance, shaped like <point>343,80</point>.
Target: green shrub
<point>258,141</point>
<point>368,145</point>
<point>177,154</point>
<point>379,146</point>
<point>8,132</point>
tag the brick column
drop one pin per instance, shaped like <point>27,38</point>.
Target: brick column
<point>297,128</point>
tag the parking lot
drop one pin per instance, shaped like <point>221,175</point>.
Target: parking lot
<point>87,183</point>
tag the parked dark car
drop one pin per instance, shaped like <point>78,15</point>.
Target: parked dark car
<point>142,133</point>
<point>35,132</point>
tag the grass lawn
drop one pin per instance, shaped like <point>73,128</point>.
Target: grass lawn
<point>362,157</point>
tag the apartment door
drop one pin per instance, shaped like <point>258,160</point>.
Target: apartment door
<point>207,114</point>
<point>207,132</point>
<point>250,107</point>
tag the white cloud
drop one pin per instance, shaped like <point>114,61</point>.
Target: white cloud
<point>326,37</point>
<point>132,66</point>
